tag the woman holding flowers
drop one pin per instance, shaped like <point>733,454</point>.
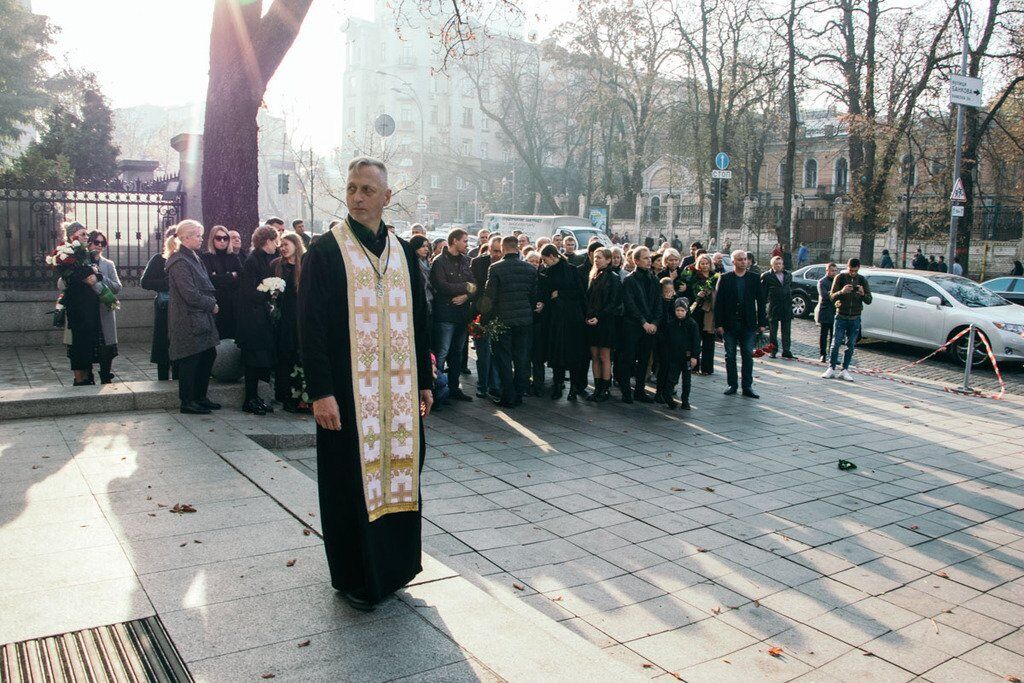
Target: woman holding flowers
<point>255,332</point>
<point>288,267</point>
<point>84,334</point>
<point>107,275</point>
<point>702,288</point>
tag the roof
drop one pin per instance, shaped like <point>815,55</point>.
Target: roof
<point>818,123</point>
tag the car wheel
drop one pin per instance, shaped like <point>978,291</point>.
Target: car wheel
<point>801,305</point>
<point>958,352</point>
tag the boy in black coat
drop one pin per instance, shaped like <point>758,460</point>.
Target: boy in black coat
<point>668,301</point>
<point>682,348</point>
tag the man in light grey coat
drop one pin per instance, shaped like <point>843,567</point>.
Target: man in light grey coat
<point>190,319</point>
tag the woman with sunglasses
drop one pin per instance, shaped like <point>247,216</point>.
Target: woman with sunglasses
<point>224,267</point>
<point>107,349</point>
<point>155,280</point>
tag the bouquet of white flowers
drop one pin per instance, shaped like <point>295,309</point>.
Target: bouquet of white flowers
<point>272,286</point>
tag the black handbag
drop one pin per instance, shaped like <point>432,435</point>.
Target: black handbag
<point>60,317</point>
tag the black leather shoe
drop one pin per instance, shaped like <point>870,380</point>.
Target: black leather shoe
<point>573,395</point>
<point>643,397</point>
<point>749,393</point>
<point>267,408</point>
<point>207,403</point>
<point>481,394</point>
<point>774,355</point>
<point>787,354</point>
<point>193,408</point>
<point>254,406</point>
<point>684,405</point>
<point>459,396</point>
<point>106,378</point>
<point>357,603</point>
<point>730,391</point>
<point>627,395</point>
<point>556,392</point>
<point>503,404</point>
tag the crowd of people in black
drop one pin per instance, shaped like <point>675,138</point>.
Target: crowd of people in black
<point>625,315</point>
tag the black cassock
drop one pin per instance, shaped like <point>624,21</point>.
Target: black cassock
<point>368,559</point>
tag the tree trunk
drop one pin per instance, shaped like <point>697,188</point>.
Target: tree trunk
<point>782,228</point>
<point>246,47</point>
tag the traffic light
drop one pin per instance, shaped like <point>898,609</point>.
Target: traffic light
<point>282,183</point>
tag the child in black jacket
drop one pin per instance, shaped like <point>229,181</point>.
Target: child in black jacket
<point>681,350</point>
<point>660,358</point>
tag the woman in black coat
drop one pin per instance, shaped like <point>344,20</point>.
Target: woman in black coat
<point>702,309</point>
<point>566,337</point>
<point>286,330</point>
<point>155,280</point>
<point>255,331</point>
<point>600,317</point>
<point>224,267</point>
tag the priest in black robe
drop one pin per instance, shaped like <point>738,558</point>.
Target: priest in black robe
<point>360,284</point>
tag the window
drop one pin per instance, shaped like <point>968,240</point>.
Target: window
<point>915,290</point>
<point>908,166</point>
<point>467,148</point>
<point>407,54</point>
<point>485,123</point>
<point>782,173</point>
<point>458,182</point>
<point>506,155</point>
<point>882,284</point>
<point>467,117</point>
<point>406,114</point>
<point>435,181</point>
<point>842,174</point>
<point>814,273</point>
<point>810,174</point>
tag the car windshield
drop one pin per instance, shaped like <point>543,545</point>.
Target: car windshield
<point>969,293</point>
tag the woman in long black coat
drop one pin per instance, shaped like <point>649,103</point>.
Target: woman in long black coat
<point>566,337</point>
<point>601,311</point>
<point>288,267</point>
<point>224,268</point>
<point>155,280</point>
<point>255,332</point>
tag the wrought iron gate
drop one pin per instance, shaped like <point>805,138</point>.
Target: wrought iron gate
<point>30,225</point>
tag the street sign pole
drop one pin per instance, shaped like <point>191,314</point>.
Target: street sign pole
<point>958,152</point>
<point>718,218</point>
<point>720,173</point>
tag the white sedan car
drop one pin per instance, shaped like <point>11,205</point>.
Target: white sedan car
<point>926,309</point>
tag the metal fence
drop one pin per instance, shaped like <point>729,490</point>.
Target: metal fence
<point>30,221</point>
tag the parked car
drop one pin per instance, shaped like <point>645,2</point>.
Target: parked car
<point>1010,288</point>
<point>926,309</point>
<point>805,289</point>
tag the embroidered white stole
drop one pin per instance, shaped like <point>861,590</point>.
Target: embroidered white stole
<point>384,381</point>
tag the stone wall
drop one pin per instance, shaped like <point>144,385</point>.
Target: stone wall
<point>24,320</point>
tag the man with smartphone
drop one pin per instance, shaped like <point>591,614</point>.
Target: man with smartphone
<point>850,293</point>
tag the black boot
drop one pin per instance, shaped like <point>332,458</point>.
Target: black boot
<point>556,391</point>
<point>597,390</point>
<point>627,392</point>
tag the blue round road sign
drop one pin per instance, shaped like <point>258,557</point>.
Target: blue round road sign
<point>722,160</point>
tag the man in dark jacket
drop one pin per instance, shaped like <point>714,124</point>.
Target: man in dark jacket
<point>487,381</point>
<point>919,262</point>
<point>692,258</point>
<point>778,293</point>
<point>641,311</point>
<point>739,317</point>
<point>510,297</point>
<point>850,293</point>
<point>451,278</point>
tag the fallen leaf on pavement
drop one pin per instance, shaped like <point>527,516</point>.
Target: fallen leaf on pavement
<point>727,661</point>
<point>913,527</point>
<point>159,505</point>
<point>35,467</point>
<point>676,674</point>
<point>196,540</point>
<point>775,651</point>
<point>149,497</point>
<point>702,550</point>
<point>306,532</point>
<point>304,643</point>
<point>709,489</point>
<point>716,610</point>
<point>942,574</point>
<point>647,665</point>
<point>676,488</point>
<point>290,563</point>
<point>152,514</point>
<point>757,603</point>
<point>182,545</point>
<point>557,598</point>
<point>182,508</point>
<point>268,676</point>
<point>868,654</point>
<point>518,586</point>
<point>1013,679</point>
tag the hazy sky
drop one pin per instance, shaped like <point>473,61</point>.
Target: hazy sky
<point>152,52</point>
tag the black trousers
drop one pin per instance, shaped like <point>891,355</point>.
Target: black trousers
<point>707,353</point>
<point>637,347</point>
<point>512,353</point>
<point>286,362</point>
<point>194,375</point>
<point>787,332</point>
<point>825,340</point>
<point>673,374</point>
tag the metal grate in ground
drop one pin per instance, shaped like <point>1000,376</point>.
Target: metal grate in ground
<point>138,650</point>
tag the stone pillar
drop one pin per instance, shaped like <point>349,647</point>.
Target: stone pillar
<point>839,231</point>
<point>670,214</point>
<point>189,147</point>
<point>137,171</point>
<point>584,206</point>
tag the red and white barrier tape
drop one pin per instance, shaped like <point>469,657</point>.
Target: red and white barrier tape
<point>884,374</point>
